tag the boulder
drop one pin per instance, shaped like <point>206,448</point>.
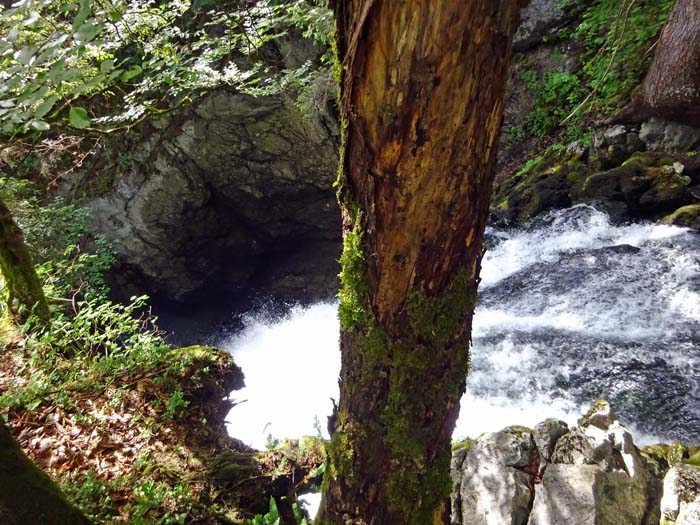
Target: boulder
<point>686,216</point>
<point>670,137</point>
<point>543,184</point>
<point>591,474</point>
<point>645,186</point>
<point>680,504</point>
<point>587,495</point>
<point>613,145</point>
<point>540,18</point>
<point>546,434</point>
<point>597,475</point>
<point>496,481</point>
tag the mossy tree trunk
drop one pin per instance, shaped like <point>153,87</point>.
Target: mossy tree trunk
<point>24,294</point>
<point>422,86</point>
<point>671,89</point>
<point>27,495</point>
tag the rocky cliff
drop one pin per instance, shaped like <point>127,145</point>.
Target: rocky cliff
<point>590,474</point>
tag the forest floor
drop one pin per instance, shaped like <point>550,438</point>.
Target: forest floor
<point>146,446</point>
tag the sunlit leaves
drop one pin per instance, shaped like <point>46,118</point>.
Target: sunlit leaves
<point>83,13</point>
<point>45,106</point>
<point>143,54</point>
<point>133,71</point>
<point>79,118</point>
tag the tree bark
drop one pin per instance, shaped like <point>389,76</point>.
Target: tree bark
<point>24,294</point>
<point>671,89</point>
<point>27,495</point>
<point>422,86</point>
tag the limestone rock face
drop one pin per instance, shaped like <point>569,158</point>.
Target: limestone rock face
<point>597,476</point>
<point>224,191</point>
<point>546,434</point>
<point>662,135</point>
<point>591,474</point>
<point>587,495</point>
<point>495,487</point>
<point>680,504</point>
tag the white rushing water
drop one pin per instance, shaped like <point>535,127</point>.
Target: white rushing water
<point>571,309</point>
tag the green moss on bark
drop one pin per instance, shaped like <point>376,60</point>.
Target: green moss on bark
<point>27,495</point>
<point>353,294</point>
<point>430,340</point>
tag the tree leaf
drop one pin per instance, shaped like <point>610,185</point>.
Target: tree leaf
<point>107,65</point>
<point>25,55</point>
<point>83,13</point>
<point>39,125</point>
<point>79,118</point>
<point>131,73</point>
<point>43,108</point>
<point>87,32</point>
<point>90,84</point>
<point>114,15</point>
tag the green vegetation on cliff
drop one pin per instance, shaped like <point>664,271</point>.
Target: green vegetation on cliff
<point>609,46</point>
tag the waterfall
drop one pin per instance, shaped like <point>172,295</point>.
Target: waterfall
<point>572,308</point>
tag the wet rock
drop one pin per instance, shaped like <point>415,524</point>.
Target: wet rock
<point>686,216</point>
<point>539,18</point>
<point>497,475</point>
<point>670,137</point>
<point>600,415</point>
<point>661,456</point>
<point>680,504</point>
<point>643,187</point>
<point>612,146</point>
<point>543,184</point>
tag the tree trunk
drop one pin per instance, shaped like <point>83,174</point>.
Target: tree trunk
<point>422,86</point>
<point>24,294</point>
<point>27,495</point>
<point>671,89</point>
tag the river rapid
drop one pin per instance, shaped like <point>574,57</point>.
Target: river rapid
<point>571,309</point>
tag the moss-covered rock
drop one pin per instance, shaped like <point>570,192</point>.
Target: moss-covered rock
<point>662,456</point>
<point>543,184</point>
<point>206,376</point>
<point>645,186</point>
<point>686,216</point>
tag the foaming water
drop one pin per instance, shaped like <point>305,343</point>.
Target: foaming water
<point>571,309</point>
<point>291,373</point>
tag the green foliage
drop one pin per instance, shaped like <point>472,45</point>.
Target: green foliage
<point>78,117</point>
<point>617,38</point>
<point>125,58</point>
<point>152,503</point>
<point>150,499</point>
<point>108,338</point>
<point>177,404</point>
<point>272,517</point>
<point>556,94</point>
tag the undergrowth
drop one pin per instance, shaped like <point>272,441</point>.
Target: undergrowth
<point>617,40</point>
<point>85,370</point>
